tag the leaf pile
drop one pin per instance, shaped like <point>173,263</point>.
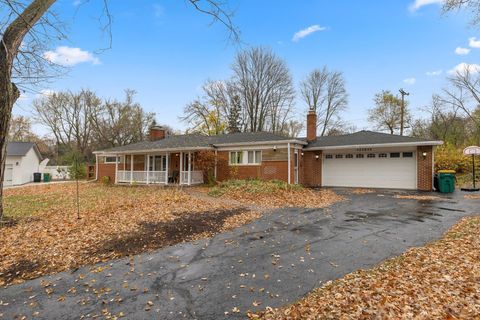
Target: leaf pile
<point>115,221</point>
<point>416,197</point>
<point>472,196</point>
<point>274,194</point>
<point>362,191</point>
<point>438,281</point>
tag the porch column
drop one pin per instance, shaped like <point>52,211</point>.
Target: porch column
<point>96,168</point>
<point>131,169</point>
<point>166,168</point>
<point>289,163</point>
<point>181,167</point>
<point>148,168</point>
<point>216,161</point>
<point>189,168</point>
<point>116,168</point>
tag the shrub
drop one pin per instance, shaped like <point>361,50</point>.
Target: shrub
<point>447,157</point>
<point>105,180</point>
<point>252,186</point>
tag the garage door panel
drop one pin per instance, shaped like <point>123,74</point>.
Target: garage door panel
<point>370,173</point>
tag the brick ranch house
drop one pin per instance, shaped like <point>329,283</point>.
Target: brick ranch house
<point>363,159</point>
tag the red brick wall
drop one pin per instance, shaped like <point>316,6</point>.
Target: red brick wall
<point>312,169</point>
<point>157,133</point>
<point>425,168</point>
<point>106,170</point>
<point>268,170</point>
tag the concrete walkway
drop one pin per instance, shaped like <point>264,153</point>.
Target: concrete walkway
<point>271,262</point>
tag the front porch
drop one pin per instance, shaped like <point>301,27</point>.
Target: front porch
<point>157,168</point>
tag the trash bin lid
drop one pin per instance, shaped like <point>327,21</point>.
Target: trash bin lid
<point>446,171</point>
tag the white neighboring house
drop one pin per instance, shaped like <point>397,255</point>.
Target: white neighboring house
<point>23,159</point>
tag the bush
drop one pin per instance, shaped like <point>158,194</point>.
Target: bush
<point>105,180</point>
<point>252,186</point>
<point>447,157</point>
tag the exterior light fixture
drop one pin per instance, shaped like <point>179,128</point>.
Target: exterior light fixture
<point>424,154</point>
<point>302,154</point>
<point>317,156</point>
<point>274,148</point>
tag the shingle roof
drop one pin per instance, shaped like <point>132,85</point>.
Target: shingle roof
<point>21,148</point>
<point>364,138</point>
<point>200,141</point>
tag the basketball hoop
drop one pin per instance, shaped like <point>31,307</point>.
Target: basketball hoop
<point>473,151</point>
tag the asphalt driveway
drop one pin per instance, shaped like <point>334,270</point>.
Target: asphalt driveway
<point>271,262</point>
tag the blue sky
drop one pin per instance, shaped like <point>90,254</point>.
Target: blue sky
<point>165,50</point>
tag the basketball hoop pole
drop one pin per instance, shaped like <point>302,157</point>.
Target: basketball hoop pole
<point>473,163</point>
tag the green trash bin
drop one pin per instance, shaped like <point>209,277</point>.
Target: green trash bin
<point>446,181</point>
<point>47,177</point>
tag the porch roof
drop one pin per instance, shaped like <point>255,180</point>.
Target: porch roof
<point>198,142</point>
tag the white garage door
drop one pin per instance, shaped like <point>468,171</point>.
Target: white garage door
<point>397,170</point>
<point>8,179</point>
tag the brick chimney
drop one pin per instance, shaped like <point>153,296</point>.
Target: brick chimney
<point>157,133</point>
<point>311,125</point>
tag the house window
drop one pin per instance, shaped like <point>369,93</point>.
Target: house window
<point>371,155</point>
<point>382,155</point>
<point>112,159</point>
<point>395,155</point>
<point>158,163</point>
<point>359,156</point>
<point>254,157</point>
<point>236,157</point>
<point>329,156</point>
<point>349,156</point>
<point>339,156</point>
<point>408,154</point>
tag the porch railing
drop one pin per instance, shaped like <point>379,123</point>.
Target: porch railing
<point>196,176</point>
<point>141,176</point>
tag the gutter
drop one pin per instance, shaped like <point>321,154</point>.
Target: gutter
<point>378,145</point>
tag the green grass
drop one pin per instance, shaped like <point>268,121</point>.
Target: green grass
<point>22,206</point>
<point>253,186</point>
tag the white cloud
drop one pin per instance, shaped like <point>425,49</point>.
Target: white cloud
<point>434,73</point>
<point>306,32</point>
<point>474,43</point>
<point>462,67</point>
<point>410,81</point>
<point>462,51</point>
<point>421,3</point>
<point>76,3</point>
<point>67,56</point>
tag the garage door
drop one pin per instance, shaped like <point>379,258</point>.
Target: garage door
<point>396,170</point>
<point>8,179</point>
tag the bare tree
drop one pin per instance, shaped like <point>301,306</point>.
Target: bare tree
<point>472,6</point>
<point>69,117</point>
<point>264,86</point>
<point>25,29</point>
<point>21,129</point>
<point>324,91</point>
<point>386,115</point>
<point>120,123</point>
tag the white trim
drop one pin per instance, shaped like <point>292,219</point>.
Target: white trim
<point>116,169</point>
<point>289,164</point>
<point>189,168</point>
<point>181,168</point>
<point>379,145</point>
<point>216,161</point>
<point>154,150</point>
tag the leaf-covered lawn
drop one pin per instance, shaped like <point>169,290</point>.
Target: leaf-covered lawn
<point>438,281</point>
<point>115,221</point>
<point>274,194</point>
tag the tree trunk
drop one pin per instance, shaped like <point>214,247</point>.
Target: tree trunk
<point>6,104</point>
<point>9,44</point>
